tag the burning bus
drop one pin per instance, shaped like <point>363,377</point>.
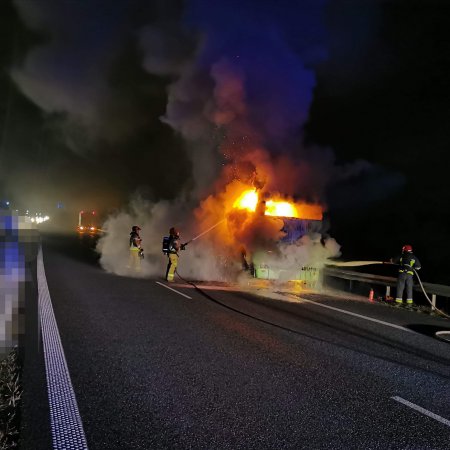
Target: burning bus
<point>295,229</point>
<point>266,234</point>
<point>294,221</point>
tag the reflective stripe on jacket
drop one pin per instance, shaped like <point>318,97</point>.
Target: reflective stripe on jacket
<point>408,262</point>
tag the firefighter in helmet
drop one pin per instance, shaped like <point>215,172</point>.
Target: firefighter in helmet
<point>135,249</point>
<point>407,262</point>
<point>175,246</point>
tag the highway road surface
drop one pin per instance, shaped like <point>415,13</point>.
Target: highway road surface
<point>173,367</point>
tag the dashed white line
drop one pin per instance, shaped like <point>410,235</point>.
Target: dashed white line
<point>174,290</point>
<point>422,410</point>
<point>399,327</point>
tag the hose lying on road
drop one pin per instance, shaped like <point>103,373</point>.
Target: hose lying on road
<point>186,281</point>
<point>202,292</point>
<point>428,298</point>
<point>444,335</point>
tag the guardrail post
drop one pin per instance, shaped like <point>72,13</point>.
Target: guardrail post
<point>433,302</point>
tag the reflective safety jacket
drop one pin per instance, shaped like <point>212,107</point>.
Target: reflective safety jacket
<point>408,261</point>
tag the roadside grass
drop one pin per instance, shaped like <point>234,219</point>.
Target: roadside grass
<point>10,397</point>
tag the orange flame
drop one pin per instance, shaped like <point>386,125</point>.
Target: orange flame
<point>249,199</point>
<point>280,209</point>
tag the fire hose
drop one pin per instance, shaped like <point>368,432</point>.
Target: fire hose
<point>444,335</point>
<point>346,264</point>
<point>428,298</point>
<point>354,263</point>
<point>366,263</point>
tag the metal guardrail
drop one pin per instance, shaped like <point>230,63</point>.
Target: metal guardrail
<point>432,289</point>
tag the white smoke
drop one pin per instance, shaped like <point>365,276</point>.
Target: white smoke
<point>154,219</point>
<point>203,259</point>
<point>310,252</point>
<point>200,261</point>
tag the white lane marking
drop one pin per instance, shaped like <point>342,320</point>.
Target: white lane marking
<point>399,327</point>
<point>422,410</point>
<point>66,426</point>
<point>174,290</point>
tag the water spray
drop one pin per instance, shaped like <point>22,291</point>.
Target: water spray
<point>354,263</point>
<point>204,232</point>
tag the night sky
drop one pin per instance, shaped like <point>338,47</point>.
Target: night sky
<point>99,99</point>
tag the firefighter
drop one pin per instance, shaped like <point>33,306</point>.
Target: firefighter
<point>135,249</point>
<point>407,262</point>
<point>175,246</point>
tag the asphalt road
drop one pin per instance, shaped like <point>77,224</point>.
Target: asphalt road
<point>152,369</point>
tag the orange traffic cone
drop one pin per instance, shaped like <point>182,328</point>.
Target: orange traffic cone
<point>371,295</point>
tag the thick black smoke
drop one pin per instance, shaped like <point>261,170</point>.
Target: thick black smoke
<point>127,88</point>
<point>108,98</point>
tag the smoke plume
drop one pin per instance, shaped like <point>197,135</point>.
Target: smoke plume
<point>239,87</point>
<point>239,103</point>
